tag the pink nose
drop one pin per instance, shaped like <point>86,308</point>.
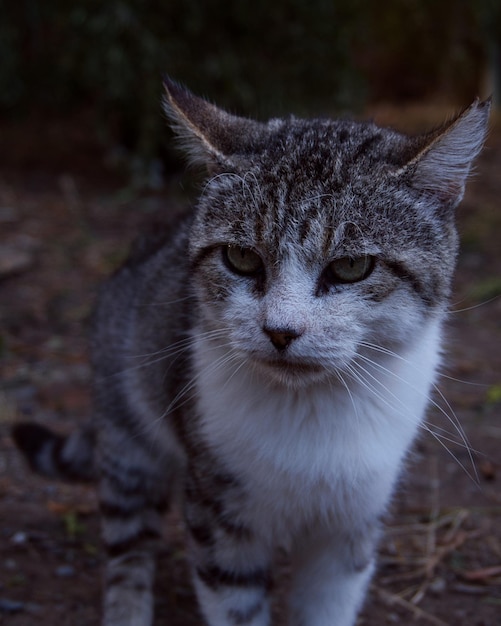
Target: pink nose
<point>281,338</point>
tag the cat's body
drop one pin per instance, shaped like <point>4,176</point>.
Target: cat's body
<point>270,361</point>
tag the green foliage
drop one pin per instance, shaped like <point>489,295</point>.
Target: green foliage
<point>72,525</point>
<point>494,394</point>
<point>486,289</point>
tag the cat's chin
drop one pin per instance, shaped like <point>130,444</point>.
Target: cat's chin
<point>289,373</point>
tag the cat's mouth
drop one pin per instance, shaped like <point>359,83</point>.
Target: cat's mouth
<point>294,366</point>
<point>286,369</point>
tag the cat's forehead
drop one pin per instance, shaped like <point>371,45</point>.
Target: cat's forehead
<point>311,153</point>
<point>305,159</point>
<point>318,186</point>
<point>316,171</point>
<point>324,147</point>
<point>281,217</point>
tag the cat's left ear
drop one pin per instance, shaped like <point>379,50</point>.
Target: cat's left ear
<point>445,157</point>
<point>210,135</point>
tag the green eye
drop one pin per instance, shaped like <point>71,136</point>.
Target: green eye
<point>350,269</point>
<point>242,261</point>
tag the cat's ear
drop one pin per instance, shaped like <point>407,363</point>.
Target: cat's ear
<point>445,156</point>
<point>210,135</point>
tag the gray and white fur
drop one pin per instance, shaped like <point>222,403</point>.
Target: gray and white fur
<point>267,361</point>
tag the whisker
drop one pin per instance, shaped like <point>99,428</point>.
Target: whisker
<point>166,303</point>
<point>185,341</point>
<point>356,375</point>
<point>401,358</point>
<point>175,404</point>
<point>171,351</point>
<point>460,380</point>
<point>345,385</point>
<point>474,306</point>
<point>451,417</point>
<point>352,399</point>
<point>439,438</point>
<point>446,435</point>
<point>188,392</point>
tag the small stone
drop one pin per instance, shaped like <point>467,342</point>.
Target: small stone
<point>17,255</point>
<point>8,215</point>
<point>11,606</point>
<point>65,571</point>
<point>19,538</point>
<point>14,261</point>
<point>31,607</point>
<point>438,586</point>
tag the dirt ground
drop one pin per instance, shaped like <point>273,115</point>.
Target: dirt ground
<point>64,225</point>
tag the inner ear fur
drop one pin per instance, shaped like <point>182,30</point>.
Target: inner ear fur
<point>445,156</point>
<point>209,134</point>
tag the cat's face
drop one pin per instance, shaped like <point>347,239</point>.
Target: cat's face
<point>318,239</point>
<point>298,274</point>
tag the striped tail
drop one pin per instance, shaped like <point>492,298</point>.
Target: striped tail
<point>49,454</point>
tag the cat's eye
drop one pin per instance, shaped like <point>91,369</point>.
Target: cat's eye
<point>242,261</point>
<point>350,269</point>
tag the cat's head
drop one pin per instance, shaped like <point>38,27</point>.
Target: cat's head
<point>315,240</point>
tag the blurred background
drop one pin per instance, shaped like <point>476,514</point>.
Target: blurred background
<point>99,64</point>
<point>87,162</point>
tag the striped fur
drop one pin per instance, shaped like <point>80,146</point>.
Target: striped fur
<point>276,401</point>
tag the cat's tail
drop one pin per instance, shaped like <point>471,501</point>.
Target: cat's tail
<point>68,458</point>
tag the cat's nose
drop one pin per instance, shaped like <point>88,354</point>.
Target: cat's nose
<point>281,338</point>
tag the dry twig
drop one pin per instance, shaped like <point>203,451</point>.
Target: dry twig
<point>417,612</point>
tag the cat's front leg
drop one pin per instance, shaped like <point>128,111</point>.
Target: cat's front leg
<point>232,597</point>
<point>128,594</point>
<point>331,571</point>
<point>230,565</point>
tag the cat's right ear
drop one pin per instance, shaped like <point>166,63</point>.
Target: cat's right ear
<point>210,136</point>
<point>445,156</point>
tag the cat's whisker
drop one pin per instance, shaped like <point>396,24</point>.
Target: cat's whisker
<point>172,351</point>
<point>441,439</point>
<point>352,399</point>
<point>404,414</point>
<point>235,371</point>
<point>182,343</point>
<point>446,435</point>
<point>454,420</point>
<point>348,391</point>
<point>185,394</point>
<point>474,306</point>
<point>450,416</point>
<point>391,353</point>
<point>460,380</point>
<point>166,303</point>
<point>400,406</point>
<point>372,389</point>
<point>175,403</point>
<point>424,425</point>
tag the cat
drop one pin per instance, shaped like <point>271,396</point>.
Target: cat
<point>268,360</point>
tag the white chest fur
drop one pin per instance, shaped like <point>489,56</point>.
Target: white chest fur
<point>320,451</point>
